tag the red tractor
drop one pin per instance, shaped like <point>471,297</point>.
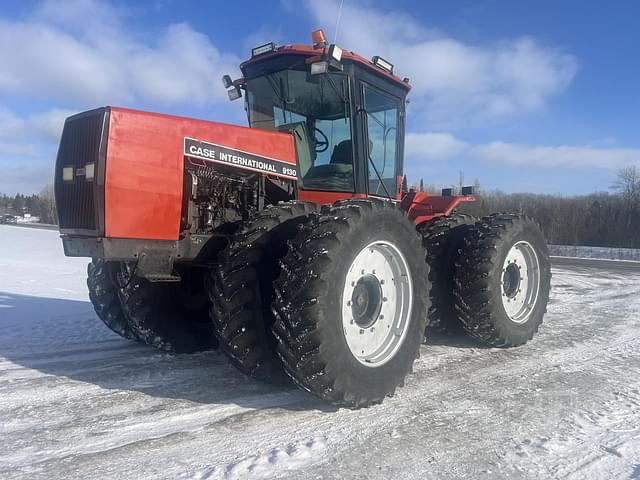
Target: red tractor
<point>290,244</point>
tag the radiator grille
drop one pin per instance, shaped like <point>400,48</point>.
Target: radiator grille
<point>80,201</point>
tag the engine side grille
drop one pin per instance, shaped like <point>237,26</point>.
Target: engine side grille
<point>80,202</point>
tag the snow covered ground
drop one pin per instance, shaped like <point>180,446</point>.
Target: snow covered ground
<point>78,402</point>
<point>595,252</point>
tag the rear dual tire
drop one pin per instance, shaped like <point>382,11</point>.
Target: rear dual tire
<point>168,316</point>
<point>103,293</point>
<point>503,280</point>
<point>443,238</point>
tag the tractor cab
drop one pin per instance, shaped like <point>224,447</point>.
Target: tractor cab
<point>345,112</point>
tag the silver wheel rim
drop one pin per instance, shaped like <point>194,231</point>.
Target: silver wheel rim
<point>520,282</point>
<point>377,299</point>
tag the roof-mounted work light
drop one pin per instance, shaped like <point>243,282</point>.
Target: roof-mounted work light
<point>326,62</point>
<point>234,93</point>
<point>266,48</point>
<point>319,67</point>
<point>382,63</point>
<point>226,81</point>
<point>335,52</point>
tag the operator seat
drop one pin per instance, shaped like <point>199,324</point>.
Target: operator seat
<point>337,175</point>
<point>342,153</point>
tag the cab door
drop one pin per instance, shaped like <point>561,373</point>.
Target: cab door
<point>382,122</point>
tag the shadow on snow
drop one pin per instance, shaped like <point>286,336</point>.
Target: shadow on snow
<point>64,338</point>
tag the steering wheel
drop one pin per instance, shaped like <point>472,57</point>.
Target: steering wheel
<point>322,144</point>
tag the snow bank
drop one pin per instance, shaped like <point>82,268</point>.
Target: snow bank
<point>595,252</point>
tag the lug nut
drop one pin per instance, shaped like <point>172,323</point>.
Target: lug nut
<point>361,331</point>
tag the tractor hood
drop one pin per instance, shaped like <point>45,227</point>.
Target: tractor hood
<point>120,172</point>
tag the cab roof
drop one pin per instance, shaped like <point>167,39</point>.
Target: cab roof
<point>310,52</point>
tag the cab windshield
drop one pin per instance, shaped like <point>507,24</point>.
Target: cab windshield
<point>317,108</point>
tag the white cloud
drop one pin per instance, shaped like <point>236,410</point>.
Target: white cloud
<point>19,176</point>
<point>78,14</point>
<point>48,125</point>
<point>33,128</point>
<point>80,53</point>
<point>28,148</point>
<point>184,67</point>
<point>432,146</point>
<point>422,148</point>
<point>512,154</point>
<point>454,83</point>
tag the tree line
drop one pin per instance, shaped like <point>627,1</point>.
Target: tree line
<point>603,219</point>
<point>41,205</point>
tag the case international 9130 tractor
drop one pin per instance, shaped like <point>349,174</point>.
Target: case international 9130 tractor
<point>290,244</point>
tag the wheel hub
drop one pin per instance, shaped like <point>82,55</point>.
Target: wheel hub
<point>376,303</point>
<point>511,280</point>
<point>520,282</point>
<point>366,301</point>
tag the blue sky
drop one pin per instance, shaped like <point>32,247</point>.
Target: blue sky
<point>525,96</point>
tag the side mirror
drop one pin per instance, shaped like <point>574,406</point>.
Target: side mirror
<point>234,91</point>
<point>226,81</point>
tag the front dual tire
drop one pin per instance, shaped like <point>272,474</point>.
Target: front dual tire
<point>241,288</point>
<point>349,304</point>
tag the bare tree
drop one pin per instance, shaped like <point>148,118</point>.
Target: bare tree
<point>628,184</point>
<point>48,213</point>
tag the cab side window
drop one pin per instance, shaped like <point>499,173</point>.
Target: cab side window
<point>382,131</point>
